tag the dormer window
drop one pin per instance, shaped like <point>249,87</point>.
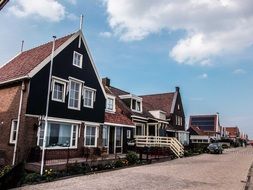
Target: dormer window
<point>77,59</point>
<point>110,103</point>
<point>136,105</point>
<point>133,101</point>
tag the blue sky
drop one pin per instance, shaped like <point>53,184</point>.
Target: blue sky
<point>149,46</point>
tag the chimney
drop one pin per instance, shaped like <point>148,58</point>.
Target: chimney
<point>106,81</point>
<point>177,88</point>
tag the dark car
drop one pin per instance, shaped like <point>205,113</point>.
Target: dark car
<point>215,148</point>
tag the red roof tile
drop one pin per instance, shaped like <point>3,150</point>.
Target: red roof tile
<point>122,114</point>
<point>26,61</point>
<point>232,131</point>
<point>159,102</point>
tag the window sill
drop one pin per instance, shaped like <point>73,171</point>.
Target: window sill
<point>59,148</point>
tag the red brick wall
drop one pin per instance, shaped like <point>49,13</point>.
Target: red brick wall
<point>9,105</point>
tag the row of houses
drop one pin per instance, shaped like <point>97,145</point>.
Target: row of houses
<point>207,128</point>
<point>52,97</point>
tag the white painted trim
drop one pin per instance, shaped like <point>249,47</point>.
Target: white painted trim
<point>62,120</point>
<point>132,96</point>
<point>128,134</point>
<point>16,79</point>
<point>139,117</point>
<point>119,125</point>
<point>81,60</point>
<point>10,60</point>
<point>75,79</point>
<point>174,102</point>
<point>61,79</point>
<point>63,93</point>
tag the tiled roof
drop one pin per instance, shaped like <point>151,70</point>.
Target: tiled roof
<point>26,61</point>
<point>197,130</point>
<point>145,113</point>
<point>232,131</point>
<point>122,114</point>
<point>159,102</point>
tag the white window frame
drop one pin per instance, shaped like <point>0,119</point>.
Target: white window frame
<point>79,96</point>
<point>96,135</point>
<point>136,100</point>
<point>93,96</point>
<point>114,103</point>
<point>12,131</point>
<point>81,59</point>
<point>128,134</point>
<point>64,90</point>
<point>108,135</point>
<point>71,146</point>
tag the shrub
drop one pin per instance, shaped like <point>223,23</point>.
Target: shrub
<point>32,178</point>
<point>49,175</point>
<point>118,164</point>
<point>132,157</point>
<point>5,170</point>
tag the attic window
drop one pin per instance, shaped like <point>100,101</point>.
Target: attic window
<point>77,59</point>
<point>178,107</point>
<point>136,105</point>
<point>110,103</point>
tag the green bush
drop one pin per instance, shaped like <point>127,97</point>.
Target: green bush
<point>5,170</point>
<point>32,178</point>
<point>118,164</point>
<point>132,157</point>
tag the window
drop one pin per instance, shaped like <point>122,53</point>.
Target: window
<point>90,136</point>
<point>77,59</point>
<point>58,93</point>
<point>136,105</point>
<point>110,103</point>
<point>89,97</point>
<point>59,135</point>
<point>74,95</point>
<point>118,136</point>
<point>105,136</point>
<point>129,134</point>
<point>13,135</point>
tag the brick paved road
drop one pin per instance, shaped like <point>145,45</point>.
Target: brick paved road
<point>194,173</point>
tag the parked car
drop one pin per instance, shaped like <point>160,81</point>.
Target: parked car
<point>215,148</point>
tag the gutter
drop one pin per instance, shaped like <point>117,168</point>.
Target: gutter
<point>18,122</point>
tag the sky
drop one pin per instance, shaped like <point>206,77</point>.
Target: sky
<point>151,46</point>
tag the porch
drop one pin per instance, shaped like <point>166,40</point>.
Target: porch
<point>156,141</point>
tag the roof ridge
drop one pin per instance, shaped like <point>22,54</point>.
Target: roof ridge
<point>163,93</point>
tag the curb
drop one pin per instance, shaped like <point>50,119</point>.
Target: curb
<point>249,182</point>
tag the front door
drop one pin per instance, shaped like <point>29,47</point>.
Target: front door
<point>111,140</point>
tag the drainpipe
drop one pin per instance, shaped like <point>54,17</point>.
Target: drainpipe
<point>47,107</point>
<point>18,122</point>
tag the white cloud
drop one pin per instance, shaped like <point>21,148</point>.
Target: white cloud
<point>203,76</point>
<point>47,9</point>
<point>239,71</point>
<point>105,34</point>
<point>213,27</point>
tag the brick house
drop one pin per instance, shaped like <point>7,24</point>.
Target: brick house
<point>204,128</point>
<point>75,107</point>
